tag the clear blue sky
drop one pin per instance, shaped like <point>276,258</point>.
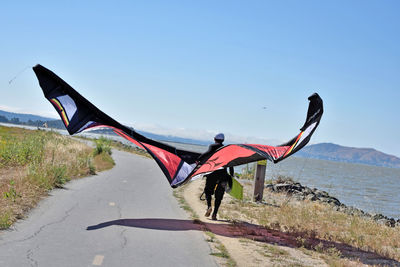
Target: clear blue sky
<point>190,67</point>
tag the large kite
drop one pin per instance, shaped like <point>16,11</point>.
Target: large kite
<point>178,165</point>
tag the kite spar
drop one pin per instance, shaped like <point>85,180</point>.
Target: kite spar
<point>178,165</point>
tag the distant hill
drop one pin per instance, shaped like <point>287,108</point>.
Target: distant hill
<point>23,117</point>
<point>329,151</point>
<point>29,119</point>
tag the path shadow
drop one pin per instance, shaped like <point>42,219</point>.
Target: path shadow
<point>252,232</point>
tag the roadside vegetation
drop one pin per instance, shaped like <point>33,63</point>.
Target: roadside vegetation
<point>34,162</point>
<point>317,228</point>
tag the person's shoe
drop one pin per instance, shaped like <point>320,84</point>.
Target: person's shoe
<point>208,212</point>
<point>214,217</point>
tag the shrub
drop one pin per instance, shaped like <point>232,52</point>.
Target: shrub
<point>103,145</point>
<point>5,220</point>
<point>11,193</point>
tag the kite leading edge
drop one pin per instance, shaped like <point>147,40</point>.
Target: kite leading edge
<point>178,165</point>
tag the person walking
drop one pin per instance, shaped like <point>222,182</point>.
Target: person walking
<point>218,181</point>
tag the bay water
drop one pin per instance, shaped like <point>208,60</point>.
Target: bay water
<point>371,188</point>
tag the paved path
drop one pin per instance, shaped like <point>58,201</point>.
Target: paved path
<point>123,217</point>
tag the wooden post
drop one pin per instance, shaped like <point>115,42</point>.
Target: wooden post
<point>259,178</point>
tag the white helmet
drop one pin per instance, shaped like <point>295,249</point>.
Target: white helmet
<point>219,137</point>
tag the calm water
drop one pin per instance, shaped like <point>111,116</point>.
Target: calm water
<point>370,188</point>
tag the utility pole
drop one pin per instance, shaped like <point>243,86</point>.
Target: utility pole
<point>259,178</point>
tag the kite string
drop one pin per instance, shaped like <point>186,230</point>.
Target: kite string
<point>19,73</point>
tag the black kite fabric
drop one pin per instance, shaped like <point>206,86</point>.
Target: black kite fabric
<point>178,165</point>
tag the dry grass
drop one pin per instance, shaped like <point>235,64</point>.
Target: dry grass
<point>311,221</point>
<point>34,162</point>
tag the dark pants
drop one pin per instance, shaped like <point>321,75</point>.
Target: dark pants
<point>214,185</point>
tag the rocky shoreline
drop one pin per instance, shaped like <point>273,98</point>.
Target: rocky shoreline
<point>300,192</point>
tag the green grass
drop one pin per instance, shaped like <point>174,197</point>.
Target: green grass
<point>276,251</point>
<point>211,236</point>
<point>178,194</point>
<point>11,194</point>
<point>5,219</point>
<point>103,145</point>
<point>222,252</point>
<point>17,151</point>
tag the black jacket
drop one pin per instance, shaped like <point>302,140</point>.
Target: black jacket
<point>211,149</point>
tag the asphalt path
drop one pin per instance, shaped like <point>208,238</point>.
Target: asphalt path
<point>126,216</point>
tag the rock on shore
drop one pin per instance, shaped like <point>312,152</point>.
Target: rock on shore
<point>301,193</point>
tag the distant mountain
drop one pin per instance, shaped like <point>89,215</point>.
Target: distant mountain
<point>329,151</point>
<point>23,117</point>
